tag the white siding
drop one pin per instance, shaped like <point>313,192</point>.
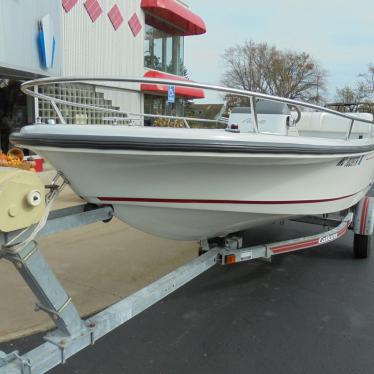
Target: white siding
<point>96,49</point>
<point>19,45</point>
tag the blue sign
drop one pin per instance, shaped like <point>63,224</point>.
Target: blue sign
<point>47,41</point>
<point>171,94</point>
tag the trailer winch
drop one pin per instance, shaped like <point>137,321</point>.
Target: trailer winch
<point>22,199</point>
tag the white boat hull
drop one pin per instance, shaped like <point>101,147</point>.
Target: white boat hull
<point>227,194</point>
<point>198,184</point>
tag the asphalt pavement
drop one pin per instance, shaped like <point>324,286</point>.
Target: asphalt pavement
<point>307,312</point>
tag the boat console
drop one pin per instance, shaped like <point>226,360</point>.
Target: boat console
<point>272,117</point>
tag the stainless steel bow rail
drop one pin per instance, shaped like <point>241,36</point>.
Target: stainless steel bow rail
<point>72,334</point>
<point>32,88</point>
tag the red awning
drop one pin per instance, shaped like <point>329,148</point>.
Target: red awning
<point>172,17</point>
<point>162,89</point>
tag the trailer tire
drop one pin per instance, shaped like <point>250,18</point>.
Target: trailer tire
<point>362,245</point>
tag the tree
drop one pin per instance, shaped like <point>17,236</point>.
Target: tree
<point>361,92</point>
<point>368,79</point>
<point>346,94</point>
<point>266,69</point>
<point>351,95</point>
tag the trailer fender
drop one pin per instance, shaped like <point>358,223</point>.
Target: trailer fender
<point>363,223</point>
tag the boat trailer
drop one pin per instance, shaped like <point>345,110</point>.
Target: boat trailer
<point>72,334</point>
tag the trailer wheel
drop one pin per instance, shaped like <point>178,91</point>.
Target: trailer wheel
<point>362,245</point>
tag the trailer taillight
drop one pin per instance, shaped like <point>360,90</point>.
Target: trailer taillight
<point>230,259</point>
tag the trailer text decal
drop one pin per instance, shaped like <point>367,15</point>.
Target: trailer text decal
<point>328,238</point>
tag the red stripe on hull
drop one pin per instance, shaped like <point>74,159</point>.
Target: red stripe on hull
<point>204,201</point>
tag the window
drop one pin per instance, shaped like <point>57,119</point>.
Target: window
<point>163,52</point>
<point>159,105</point>
<point>169,63</point>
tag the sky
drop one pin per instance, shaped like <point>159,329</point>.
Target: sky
<point>339,34</point>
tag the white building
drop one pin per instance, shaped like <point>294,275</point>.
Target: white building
<point>118,38</point>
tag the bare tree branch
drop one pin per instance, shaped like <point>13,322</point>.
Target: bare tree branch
<point>263,68</point>
<point>362,91</point>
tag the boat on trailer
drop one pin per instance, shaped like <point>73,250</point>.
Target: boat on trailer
<point>197,184</point>
<point>245,178</point>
